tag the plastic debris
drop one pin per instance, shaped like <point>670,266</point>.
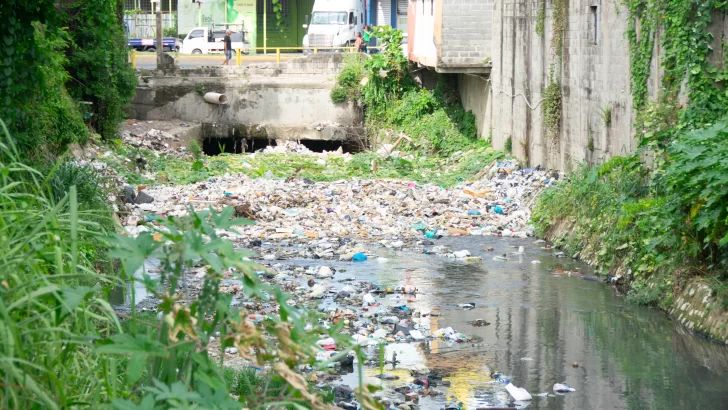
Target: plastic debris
<point>563,388</point>
<point>416,334</point>
<point>462,254</point>
<point>359,257</point>
<point>518,393</point>
<point>324,272</point>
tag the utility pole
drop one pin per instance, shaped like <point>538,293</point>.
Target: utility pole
<point>160,42</point>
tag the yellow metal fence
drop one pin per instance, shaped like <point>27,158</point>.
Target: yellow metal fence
<point>268,57</point>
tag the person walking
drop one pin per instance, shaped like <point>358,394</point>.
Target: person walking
<point>227,47</point>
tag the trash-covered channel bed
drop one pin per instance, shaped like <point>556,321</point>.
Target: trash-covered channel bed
<point>446,285</point>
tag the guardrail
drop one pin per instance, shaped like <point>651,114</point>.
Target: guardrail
<point>277,58</point>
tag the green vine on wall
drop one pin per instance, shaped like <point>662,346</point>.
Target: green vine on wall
<point>687,46</point>
<point>552,105</point>
<point>560,13</point>
<point>278,10</point>
<point>552,99</point>
<point>641,28</point>
<point>541,17</point>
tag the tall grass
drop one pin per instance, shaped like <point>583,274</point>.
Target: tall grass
<point>51,310</point>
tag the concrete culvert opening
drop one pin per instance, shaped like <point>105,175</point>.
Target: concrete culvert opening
<point>323,145</point>
<point>232,145</point>
<point>213,146</point>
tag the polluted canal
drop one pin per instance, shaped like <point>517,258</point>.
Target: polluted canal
<point>547,325</point>
<point>452,291</point>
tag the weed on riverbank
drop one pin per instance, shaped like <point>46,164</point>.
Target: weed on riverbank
<point>445,171</point>
<point>654,225</point>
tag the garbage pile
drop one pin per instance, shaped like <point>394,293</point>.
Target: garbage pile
<point>287,146</point>
<point>348,221</point>
<point>333,217</point>
<point>155,140</point>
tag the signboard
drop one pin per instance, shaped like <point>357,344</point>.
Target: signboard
<point>245,6</point>
<point>147,41</point>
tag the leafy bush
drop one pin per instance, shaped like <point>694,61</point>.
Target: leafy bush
<point>387,72</point>
<point>55,56</point>
<point>98,61</point>
<point>89,187</point>
<point>414,104</point>
<point>175,359</point>
<point>52,308</point>
<point>349,81</point>
<point>338,94</point>
<point>667,218</point>
<point>508,145</point>
<point>170,32</point>
<point>696,180</point>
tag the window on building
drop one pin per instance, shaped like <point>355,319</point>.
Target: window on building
<point>595,24</point>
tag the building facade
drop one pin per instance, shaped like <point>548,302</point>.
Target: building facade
<point>261,23</point>
<point>451,36</point>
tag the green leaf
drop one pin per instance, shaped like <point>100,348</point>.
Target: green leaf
<point>72,297</point>
<point>136,366</point>
<point>128,344</point>
<point>146,404</point>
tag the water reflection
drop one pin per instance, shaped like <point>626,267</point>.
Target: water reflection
<point>627,357</point>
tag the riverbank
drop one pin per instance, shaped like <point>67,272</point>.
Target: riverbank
<point>693,303</point>
<point>606,217</point>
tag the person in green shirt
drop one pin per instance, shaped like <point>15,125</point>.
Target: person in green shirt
<point>368,36</point>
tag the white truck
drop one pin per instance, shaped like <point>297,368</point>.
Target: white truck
<point>334,23</point>
<point>208,40</point>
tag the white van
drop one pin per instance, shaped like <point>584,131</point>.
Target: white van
<point>334,23</point>
<point>203,40</point>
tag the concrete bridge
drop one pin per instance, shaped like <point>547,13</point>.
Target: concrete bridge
<point>288,100</point>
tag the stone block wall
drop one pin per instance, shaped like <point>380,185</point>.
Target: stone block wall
<point>594,76</point>
<point>467,32</point>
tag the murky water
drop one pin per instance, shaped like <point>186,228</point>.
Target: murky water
<point>629,357</point>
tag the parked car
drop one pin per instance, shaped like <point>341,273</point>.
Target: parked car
<point>204,40</point>
<point>150,44</point>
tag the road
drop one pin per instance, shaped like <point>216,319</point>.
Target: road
<point>149,60</point>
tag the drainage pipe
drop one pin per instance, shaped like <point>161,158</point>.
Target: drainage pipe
<point>215,98</point>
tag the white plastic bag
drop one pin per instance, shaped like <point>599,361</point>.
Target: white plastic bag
<point>518,393</point>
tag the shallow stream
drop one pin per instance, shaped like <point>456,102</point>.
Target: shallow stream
<point>543,320</point>
<point>629,357</point>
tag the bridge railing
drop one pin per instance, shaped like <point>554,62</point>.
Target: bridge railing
<point>239,53</point>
